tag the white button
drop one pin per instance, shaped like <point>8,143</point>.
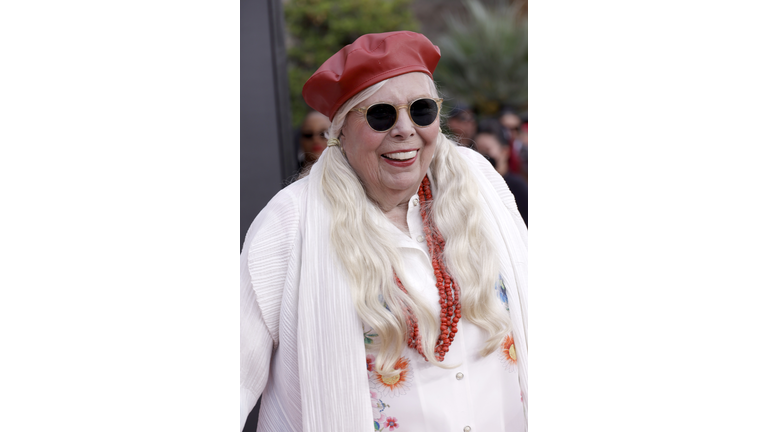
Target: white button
<point>467,428</point>
<point>459,376</point>
<point>420,238</point>
<point>415,201</point>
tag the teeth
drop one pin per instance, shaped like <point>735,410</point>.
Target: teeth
<point>401,155</point>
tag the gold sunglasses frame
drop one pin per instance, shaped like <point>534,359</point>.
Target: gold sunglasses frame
<point>364,112</point>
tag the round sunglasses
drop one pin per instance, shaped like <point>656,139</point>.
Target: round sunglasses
<point>382,116</point>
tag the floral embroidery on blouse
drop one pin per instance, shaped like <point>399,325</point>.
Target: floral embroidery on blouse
<point>369,335</point>
<point>395,385</point>
<point>381,421</point>
<point>383,303</point>
<point>501,290</point>
<point>508,353</point>
<point>391,423</point>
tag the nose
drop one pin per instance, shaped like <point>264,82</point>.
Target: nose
<point>403,128</point>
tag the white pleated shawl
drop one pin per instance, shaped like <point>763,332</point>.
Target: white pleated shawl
<point>301,348</point>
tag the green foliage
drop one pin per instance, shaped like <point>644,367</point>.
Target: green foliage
<point>485,57</point>
<point>319,28</point>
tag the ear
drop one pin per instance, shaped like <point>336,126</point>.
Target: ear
<point>341,141</point>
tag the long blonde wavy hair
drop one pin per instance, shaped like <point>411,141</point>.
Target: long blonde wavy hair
<point>370,256</point>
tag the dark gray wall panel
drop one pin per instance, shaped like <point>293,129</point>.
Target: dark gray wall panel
<point>267,156</point>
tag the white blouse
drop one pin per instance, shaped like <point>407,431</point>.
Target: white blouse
<point>480,394</point>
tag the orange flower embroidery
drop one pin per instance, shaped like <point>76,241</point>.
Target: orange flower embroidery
<point>397,384</point>
<point>508,352</point>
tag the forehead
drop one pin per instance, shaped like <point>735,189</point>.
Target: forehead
<point>316,120</point>
<point>510,119</point>
<point>402,89</point>
<point>486,139</point>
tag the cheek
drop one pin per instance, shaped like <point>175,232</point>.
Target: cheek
<point>430,137</point>
<point>368,159</point>
<point>361,146</point>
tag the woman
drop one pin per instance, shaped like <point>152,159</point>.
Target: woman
<point>312,140</point>
<point>386,290</point>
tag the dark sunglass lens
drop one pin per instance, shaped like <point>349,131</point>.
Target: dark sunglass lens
<point>424,112</point>
<point>381,117</point>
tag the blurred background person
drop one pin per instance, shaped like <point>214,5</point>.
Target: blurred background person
<point>524,151</point>
<point>462,125</point>
<point>312,140</point>
<point>490,142</point>
<point>512,124</point>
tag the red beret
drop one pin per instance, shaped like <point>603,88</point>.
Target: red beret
<point>370,59</point>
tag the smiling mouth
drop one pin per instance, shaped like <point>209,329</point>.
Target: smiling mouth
<point>400,156</point>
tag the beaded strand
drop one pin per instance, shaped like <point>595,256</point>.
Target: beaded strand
<point>447,288</point>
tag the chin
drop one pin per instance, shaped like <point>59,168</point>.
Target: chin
<point>405,181</point>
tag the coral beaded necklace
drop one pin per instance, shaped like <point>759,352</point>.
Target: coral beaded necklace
<point>450,306</point>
